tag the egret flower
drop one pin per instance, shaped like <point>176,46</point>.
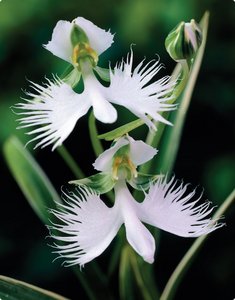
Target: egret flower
<point>55,107</point>
<point>87,226</point>
<point>121,161</point>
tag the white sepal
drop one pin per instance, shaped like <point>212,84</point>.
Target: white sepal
<point>104,160</point>
<point>140,152</point>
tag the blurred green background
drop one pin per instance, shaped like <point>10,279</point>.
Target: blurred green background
<point>206,156</point>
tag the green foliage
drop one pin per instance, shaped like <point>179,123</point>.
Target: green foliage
<point>33,182</point>
<point>12,289</point>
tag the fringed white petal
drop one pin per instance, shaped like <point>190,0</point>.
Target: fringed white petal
<point>88,227</point>
<point>169,207</point>
<point>61,46</point>
<point>104,160</point>
<point>54,111</point>
<point>132,90</point>
<point>140,152</point>
<point>137,234</point>
<point>100,40</point>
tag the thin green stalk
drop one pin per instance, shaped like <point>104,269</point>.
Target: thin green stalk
<point>70,162</point>
<point>177,275</point>
<point>85,284</point>
<point>96,144</point>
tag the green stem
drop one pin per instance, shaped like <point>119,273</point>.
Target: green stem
<point>70,162</point>
<point>96,144</point>
<point>84,283</point>
<point>186,261</point>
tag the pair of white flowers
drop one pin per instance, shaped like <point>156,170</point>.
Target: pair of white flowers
<point>87,226</point>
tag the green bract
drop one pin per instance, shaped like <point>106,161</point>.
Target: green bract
<point>184,40</point>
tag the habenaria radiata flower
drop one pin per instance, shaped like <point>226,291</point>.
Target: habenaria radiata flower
<point>120,161</point>
<point>87,226</point>
<point>55,107</point>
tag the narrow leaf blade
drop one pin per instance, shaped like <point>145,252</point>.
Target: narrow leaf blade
<point>13,289</point>
<point>33,182</point>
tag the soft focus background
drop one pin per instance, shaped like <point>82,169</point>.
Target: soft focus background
<point>206,156</point>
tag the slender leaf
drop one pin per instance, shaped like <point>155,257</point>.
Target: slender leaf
<point>187,260</point>
<point>120,131</point>
<point>33,182</point>
<point>12,289</point>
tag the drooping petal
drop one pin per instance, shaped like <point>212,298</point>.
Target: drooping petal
<point>132,90</point>
<point>104,161</point>
<point>103,110</point>
<point>140,152</point>
<point>137,234</point>
<point>61,46</point>
<point>54,110</point>
<point>169,207</point>
<point>88,227</point>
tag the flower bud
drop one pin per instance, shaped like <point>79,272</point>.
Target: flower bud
<point>184,40</point>
<point>81,46</point>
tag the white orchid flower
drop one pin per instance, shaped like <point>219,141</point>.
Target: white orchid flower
<point>87,226</point>
<point>55,107</point>
<point>136,154</point>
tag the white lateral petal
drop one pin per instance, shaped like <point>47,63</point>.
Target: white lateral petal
<point>140,152</point>
<point>129,89</point>
<point>88,227</point>
<point>170,208</point>
<point>104,160</point>
<point>55,111</point>
<point>100,40</point>
<point>60,44</point>
<point>137,234</point>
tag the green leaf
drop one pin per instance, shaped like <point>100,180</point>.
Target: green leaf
<point>143,181</point>
<point>179,272</point>
<point>103,73</point>
<point>120,131</point>
<point>172,135</point>
<point>12,289</point>
<point>100,182</point>
<point>33,182</point>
